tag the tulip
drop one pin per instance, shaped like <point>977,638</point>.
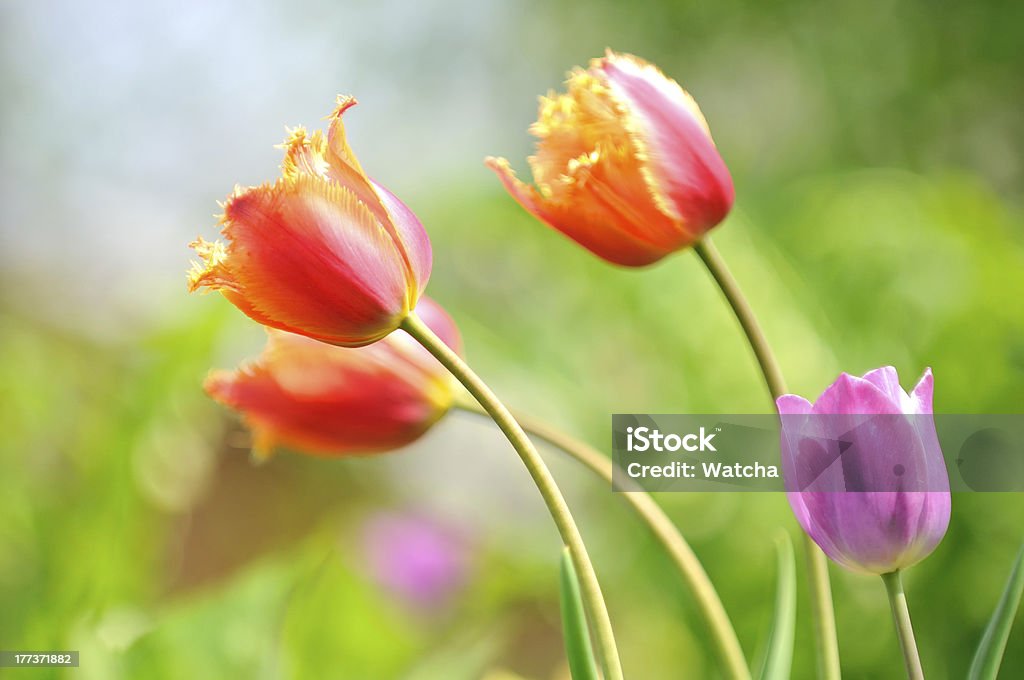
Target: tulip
<point>864,471</point>
<point>324,251</point>
<point>625,164</point>
<point>335,401</point>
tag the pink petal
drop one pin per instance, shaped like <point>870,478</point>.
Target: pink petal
<point>691,175</point>
<point>850,395</point>
<point>437,319</point>
<point>412,234</point>
<point>888,380</point>
<point>922,394</point>
<point>791,404</point>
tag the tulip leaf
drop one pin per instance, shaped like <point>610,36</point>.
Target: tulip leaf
<point>778,656</point>
<point>574,624</point>
<point>989,654</point>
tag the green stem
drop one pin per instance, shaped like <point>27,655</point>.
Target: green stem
<point>817,566</point>
<point>904,630</point>
<point>745,315</point>
<point>604,636</point>
<point>724,636</point>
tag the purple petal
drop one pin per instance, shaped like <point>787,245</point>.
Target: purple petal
<point>888,380</point>
<point>852,395</point>
<point>921,397</point>
<point>876,532</point>
<point>791,404</point>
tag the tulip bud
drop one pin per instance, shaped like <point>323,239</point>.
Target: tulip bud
<point>335,401</point>
<point>625,164</point>
<point>324,251</point>
<point>864,472</point>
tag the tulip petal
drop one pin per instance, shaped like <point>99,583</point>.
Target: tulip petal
<point>685,170</point>
<point>310,155</point>
<point>613,179</point>
<point>921,396</point>
<point>850,395</point>
<point>392,213</point>
<point>887,380</point>
<point>439,321</point>
<point>339,153</point>
<point>304,154</point>
<point>305,253</point>
<point>412,236</point>
<point>591,225</point>
<point>791,404</point>
<point>333,400</point>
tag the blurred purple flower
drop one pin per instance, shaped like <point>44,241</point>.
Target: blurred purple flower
<point>864,472</point>
<point>416,558</point>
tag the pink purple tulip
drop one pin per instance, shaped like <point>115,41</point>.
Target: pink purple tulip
<point>864,470</point>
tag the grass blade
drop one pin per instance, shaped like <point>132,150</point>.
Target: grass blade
<point>574,625</point>
<point>778,656</point>
<point>989,655</point>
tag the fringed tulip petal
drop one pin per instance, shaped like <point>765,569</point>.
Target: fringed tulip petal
<point>304,154</point>
<point>308,155</point>
<point>680,155</point>
<point>339,153</point>
<point>332,159</point>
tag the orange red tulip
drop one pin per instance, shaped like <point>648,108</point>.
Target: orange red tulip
<point>324,251</point>
<point>625,164</point>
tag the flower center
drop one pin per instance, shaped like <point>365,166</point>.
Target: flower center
<point>576,131</point>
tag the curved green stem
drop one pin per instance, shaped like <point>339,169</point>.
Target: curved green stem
<point>591,590</point>
<point>817,566</point>
<point>904,630</point>
<point>745,315</point>
<point>722,633</point>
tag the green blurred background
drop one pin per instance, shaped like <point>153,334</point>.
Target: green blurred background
<point>877,153</point>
